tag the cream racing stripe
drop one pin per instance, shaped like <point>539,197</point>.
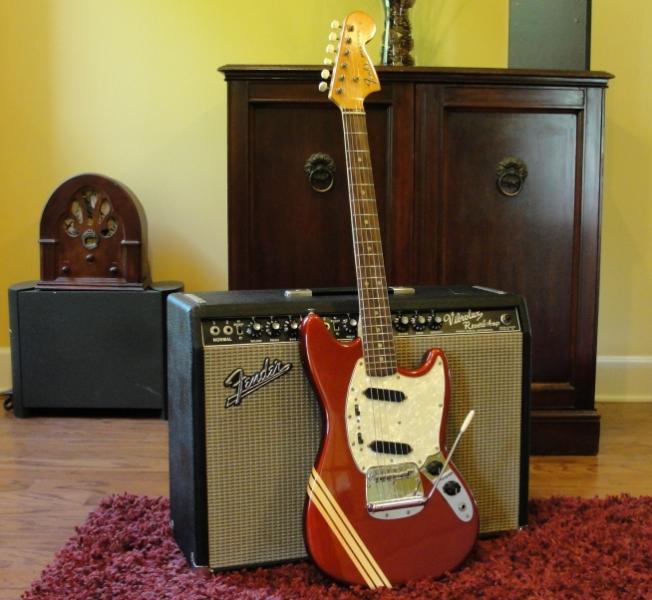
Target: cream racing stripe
<point>345,533</point>
<point>343,543</point>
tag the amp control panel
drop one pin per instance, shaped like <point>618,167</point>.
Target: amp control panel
<point>344,326</point>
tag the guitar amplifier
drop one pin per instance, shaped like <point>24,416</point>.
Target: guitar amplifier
<point>245,424</point>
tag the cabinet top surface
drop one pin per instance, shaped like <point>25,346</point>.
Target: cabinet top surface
<point>310,73</point>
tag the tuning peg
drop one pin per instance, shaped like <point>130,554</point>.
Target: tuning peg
<point>325,74</point>
<point>335,24</point>
<point>323,86</point>
<point>333,37</point>
<point>330,49</point>
<point>328,61</point>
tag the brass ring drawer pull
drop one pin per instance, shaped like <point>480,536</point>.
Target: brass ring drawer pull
<point>320,171</point>
<point>510,176</point>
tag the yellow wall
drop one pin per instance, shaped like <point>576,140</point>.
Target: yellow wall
<point>129,88</point>
<point>622,45</point>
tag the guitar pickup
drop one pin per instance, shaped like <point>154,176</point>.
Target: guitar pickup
<point>383,447</point>
<point>384,395</point>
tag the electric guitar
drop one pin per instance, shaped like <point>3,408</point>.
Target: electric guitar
<point>384,503</point>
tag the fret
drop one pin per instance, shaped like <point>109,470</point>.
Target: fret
<point>376,298</point>
<point>375,317</point>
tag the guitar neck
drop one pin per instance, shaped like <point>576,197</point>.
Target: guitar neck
<point>375,317</point>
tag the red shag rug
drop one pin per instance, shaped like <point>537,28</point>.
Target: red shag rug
<point>573,549</point>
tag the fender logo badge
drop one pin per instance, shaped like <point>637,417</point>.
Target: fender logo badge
<point>247,384</point>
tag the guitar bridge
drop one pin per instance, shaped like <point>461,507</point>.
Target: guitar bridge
<point>394,491</point>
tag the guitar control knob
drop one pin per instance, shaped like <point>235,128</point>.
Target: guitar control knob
<point>419,322</point>
<point>434,467</point>
<point>436,323</point>
<point>401,323</point>
<point>452,487</point>
<point>274,328</point>
<point>254,329</point>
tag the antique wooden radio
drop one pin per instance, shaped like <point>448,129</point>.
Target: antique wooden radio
<point>93,236</point>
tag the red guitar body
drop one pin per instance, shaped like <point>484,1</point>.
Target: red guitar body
<point>341,535</point>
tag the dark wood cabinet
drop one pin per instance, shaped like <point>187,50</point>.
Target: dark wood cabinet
<point>488,177</point>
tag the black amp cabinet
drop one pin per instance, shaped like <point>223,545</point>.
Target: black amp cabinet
<point>245,425</point>
<point>88,349</point>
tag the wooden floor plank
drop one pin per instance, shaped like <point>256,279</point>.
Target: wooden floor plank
<point>54,471</point>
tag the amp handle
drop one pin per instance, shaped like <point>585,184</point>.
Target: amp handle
<point>343,291</point>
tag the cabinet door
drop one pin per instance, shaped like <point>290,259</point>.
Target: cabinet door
<point>533,233</point>
<point>282,232</point>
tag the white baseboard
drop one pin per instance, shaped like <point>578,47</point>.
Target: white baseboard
<point>5,369</point>
<point>624,379</point>
<point>619,378</point>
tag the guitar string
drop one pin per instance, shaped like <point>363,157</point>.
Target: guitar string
<point>373,325</point>
<point>353,151</point>
<point>370,294</point>
<point>382,317</point>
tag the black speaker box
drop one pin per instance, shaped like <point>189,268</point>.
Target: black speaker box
<point>245,424</point>
<point>88,349</point>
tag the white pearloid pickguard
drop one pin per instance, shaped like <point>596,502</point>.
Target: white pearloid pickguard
<point>415,421</point>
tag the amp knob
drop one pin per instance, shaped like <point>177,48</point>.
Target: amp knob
<point>419,322</point>
<point>350,325</point>
<point>254,329</point>
<point>293,328</point>
<point>274,328</point>
<point>436,323</point>
<point>401,323</point>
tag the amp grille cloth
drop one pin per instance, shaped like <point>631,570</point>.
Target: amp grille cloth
<point>259,454</point>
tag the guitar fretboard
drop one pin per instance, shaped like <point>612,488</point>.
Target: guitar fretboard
<point>375,317</point>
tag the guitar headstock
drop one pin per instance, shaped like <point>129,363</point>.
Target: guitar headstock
<point>353,77</point>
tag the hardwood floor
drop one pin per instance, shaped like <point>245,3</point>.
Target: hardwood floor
<point>53,472</point>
